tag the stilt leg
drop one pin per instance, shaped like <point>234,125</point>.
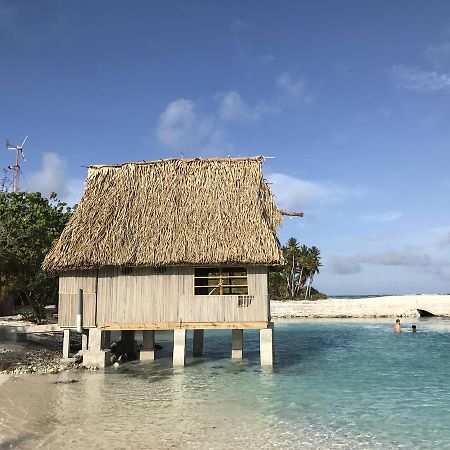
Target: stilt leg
<point>95,340</point>
<point>237,344</point>
<point>148,349</point>
<point>197,343</point>
<point>266,346</point>
<point>66,343</point>
<point>179,347</point>
<point>95,356</point>
<point>84,340</point>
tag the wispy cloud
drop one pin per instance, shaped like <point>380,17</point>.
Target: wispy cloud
<point>291,192</point>
<point>181,126</point>
<point>345,265</point>
<point>233,108</point>
<point>184,126</point>
<point>439,55</point>
<point>383,217</point>
<point>408,257</point>
<point>242,34</point>
<point>444,241</point>
<point>13,14</point>
<point>293,87</point>
<point>420,80</point>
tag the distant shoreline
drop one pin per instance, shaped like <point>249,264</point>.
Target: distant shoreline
<point>366,307</point>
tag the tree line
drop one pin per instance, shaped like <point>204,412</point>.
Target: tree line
<point>295,278</point>
<point>29,224</point>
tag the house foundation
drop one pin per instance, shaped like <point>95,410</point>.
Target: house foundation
<point>95,356</point>
<point>179,347</point>
<point>266,346</point>
<point>237,344</point>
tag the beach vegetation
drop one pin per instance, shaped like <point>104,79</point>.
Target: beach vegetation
<point>295,278</point>
<point>29,225</point>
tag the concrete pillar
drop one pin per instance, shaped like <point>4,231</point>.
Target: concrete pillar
<point>95,340</point>
<point>84,340</point>
<point>95,356</point>
<point>237,344</point>
<point>197,343</point>
<point>266,346</point>
<point>179,347</point>
<point>148,345</point>
<point>66,343</point>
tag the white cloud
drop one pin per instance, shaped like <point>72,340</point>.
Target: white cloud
<point>52,177</point>
<point>295,88</point>
<point>233,108</point>
<point>291,192</point>
<point>420,80</point>
<point>383,217</point>
<point>444,241</point>
<point>181,127</point>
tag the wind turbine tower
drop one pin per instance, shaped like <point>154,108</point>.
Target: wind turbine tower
<point>16,168</point>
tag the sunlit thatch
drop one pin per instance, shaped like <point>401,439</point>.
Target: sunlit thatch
<point>171,212</point>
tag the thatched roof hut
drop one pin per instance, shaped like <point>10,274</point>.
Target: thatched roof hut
<point>210,211</point>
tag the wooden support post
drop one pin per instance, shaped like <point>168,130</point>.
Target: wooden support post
<point>237,344</point>
<point>197,343</point>
<point>266,346</point>
<point>66,343</point>
<point>179,347</point>
<point>148,348</point>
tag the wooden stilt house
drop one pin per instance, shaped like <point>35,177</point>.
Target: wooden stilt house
<point>173,244</point>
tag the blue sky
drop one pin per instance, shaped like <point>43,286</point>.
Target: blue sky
<point>351,98</point>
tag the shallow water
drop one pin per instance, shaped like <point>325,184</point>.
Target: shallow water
<point>336,384</point>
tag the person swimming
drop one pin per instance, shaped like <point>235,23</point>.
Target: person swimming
<point>397,326</point>
<point>414,329</point>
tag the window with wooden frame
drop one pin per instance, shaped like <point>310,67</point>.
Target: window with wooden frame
<point>220,281</point>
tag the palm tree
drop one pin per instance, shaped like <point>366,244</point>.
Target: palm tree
<point>313,263</point>
<point>291,251</point>
<point>302,262</point>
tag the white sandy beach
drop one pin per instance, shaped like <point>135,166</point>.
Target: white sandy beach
<point>387,306</point>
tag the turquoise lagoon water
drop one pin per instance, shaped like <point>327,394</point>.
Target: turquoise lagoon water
<point>336,384</point>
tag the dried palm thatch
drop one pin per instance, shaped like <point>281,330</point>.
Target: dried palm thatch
<point>171,212</point>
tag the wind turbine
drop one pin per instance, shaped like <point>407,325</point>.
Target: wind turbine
<point>16,168</point>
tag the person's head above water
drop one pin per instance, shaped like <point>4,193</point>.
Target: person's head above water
<point>414,328</point>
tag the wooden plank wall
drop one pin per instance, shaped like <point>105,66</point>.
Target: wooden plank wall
<point>69,283</point>
<point>143,295</point>
<point>146,296</point>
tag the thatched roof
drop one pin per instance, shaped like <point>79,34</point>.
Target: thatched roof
<point>171,212</point>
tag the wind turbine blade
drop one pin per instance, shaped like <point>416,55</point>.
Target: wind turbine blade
<point>7,143</point>
<point>25,140</point>
<point>23,156</point>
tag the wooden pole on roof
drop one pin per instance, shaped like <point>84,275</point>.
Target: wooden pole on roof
<point>291,213</point>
